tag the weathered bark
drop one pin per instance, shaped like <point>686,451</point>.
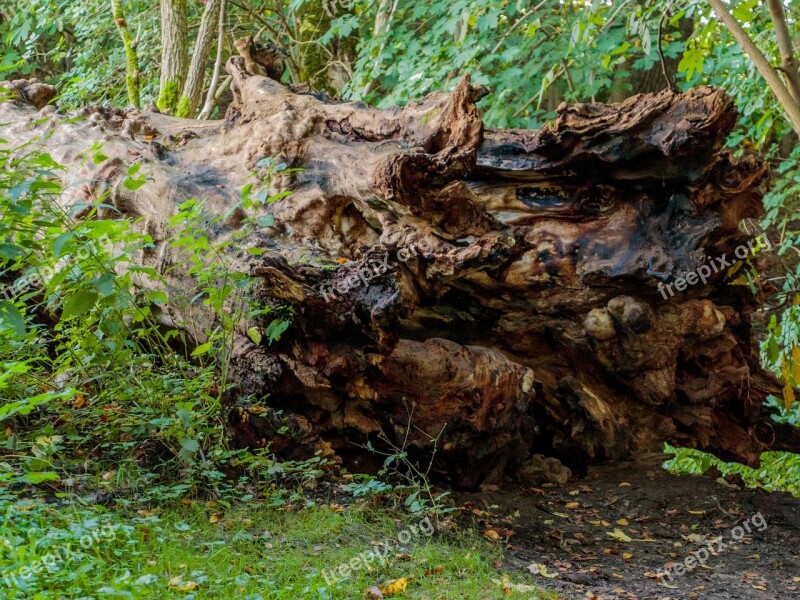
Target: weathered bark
<point>132,78</point>
<point>517,309</point>
<point>193,89</point>
<point>174,53</point>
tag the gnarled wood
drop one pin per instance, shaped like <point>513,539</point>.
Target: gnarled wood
<point>499,289</point>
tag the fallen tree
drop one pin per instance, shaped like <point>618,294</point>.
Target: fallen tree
<point>499,292</point>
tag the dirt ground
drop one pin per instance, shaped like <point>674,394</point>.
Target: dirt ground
<point>608,534</point>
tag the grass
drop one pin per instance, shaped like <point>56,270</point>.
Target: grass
<point>250,551</point>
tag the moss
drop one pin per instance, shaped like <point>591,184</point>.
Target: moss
<point>132,79</point>
<point>168,96</point>
<point>184,108</point>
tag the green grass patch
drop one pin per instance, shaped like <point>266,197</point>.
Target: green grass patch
<point>249,551</point>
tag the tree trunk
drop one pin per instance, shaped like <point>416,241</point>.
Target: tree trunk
<point>193,89</point>
<point>174,53</point>
<point>495,290</point>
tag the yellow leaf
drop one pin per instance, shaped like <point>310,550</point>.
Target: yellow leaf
<point>181,586</point>
<point>492,534</point>
<point>540,569</point>
<point>696,512</point>
<point>623,522</point>
<point>509,586</point>
<point>796,364</point>
<point>624,484</point>
<point>788,396</point>
<point>213,519</point>
<point>79,401</point>
<point>627,555</point>
<point>397,586</point>
<point>572,505</point>
<point>619,535</point>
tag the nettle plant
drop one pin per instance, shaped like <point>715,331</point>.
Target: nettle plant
<point>228,292</point>
<point>91,389</point>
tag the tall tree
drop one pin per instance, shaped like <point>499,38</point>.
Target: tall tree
<point>193,89</point>
<point>132,75</point>
<point>174,52</point>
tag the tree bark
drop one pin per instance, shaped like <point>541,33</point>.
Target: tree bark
<point>132,79</point>
<point>494,290</point>
<point>790,106</point>
<point>788,62</point>
<point>193,89</point>
<point>174,53</point>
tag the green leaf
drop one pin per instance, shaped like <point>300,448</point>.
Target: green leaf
<point>254,335</point>
<point>40,476</point>
<point>79,303</point>
<point>203,349</point>
<point>276,329</point>
<point>10,316</point>
<point>190,445</point>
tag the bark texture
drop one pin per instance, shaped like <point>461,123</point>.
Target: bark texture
<point>494,290</point>
<point>174,52</point>
<point>193,89</point>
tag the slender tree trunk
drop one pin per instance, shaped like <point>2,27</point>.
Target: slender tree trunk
<point>503,292</point>
<point>213,92</point>
<point>789,65</point>
<point>193,90</point>
<point>132,82</point>
<point>174,53</point>
<point>790,106</point>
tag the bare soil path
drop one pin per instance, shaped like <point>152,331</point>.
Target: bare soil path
<point>579,532</point>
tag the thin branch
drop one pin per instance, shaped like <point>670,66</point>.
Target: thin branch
<point>670,83</point>
<point>784,39</point>
<point>787,101</point>
<point>212,88</point>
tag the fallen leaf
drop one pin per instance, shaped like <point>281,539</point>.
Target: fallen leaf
<point>397,586</point>
<point>627,555</point>
<point>540,569</point>
<point>573,505</point>
<point>177,584</point>
<point>492,534</point>
<point>619,535</point>
<point>624,484</point>
<point>509,586</point>
<point>373,592</point>
<point>623,522</point>
<point>213,519</point>
<point>696,512</point>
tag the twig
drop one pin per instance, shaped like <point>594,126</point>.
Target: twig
<point>670,83</point>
